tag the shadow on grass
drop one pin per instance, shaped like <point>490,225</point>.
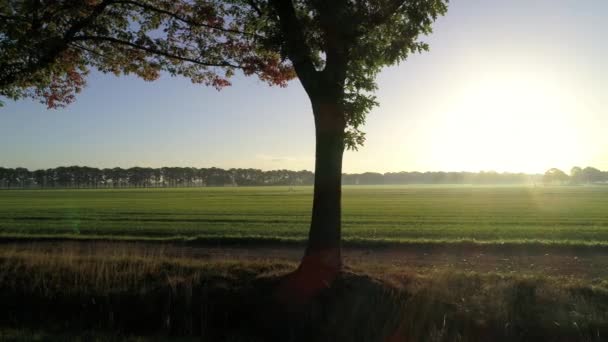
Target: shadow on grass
<point>114,298</point>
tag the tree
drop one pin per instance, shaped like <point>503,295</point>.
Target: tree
<point>576,175</point>
<point>335,48</point>
<point>555,176</point>
<point>592,175</point>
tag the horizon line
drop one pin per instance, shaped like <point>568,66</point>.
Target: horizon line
<point>292,170</point>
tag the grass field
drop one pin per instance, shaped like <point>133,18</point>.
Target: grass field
<point>66,295</point>
<point>569,215</point>
<point>502,289</point>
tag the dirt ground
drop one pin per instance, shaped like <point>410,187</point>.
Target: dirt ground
<point>584,264</point>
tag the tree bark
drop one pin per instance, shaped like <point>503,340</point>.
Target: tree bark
<point>325,228</point>
<point>322,261</point>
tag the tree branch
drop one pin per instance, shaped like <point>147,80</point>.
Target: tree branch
<point>188,21</point>
<point>12,17</point>
<point>55,46</point>
<point>390,9</point>
<point>156,51</point>
<point>297,48</point>
<point>255,7</point>
<point>336,40</point>
<point>89,50</point>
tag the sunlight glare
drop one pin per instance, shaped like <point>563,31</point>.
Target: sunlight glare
<point>508,122</point>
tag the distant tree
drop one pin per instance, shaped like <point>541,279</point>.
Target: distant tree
<point>218,177</point>
<point>554,175</point>
<point>22,177</point>
<point>3,177</point>
<point>576,175</point>
<point>40,178</point>
<point>119,177</point>
<point>370,178</point>
<point>592,175</point>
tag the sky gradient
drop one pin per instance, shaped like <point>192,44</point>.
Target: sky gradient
<point>517,85</point>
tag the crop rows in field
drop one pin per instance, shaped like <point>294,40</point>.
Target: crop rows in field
<point>493,214</point>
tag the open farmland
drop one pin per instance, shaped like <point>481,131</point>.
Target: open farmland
<point>569,215</point>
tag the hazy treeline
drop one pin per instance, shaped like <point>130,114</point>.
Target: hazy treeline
<point>577,175</point>
<point>88,177</point>
<point>438,177</point>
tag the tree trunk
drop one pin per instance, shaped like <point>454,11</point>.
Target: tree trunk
<point>325,228</point>
<point>322,261</point>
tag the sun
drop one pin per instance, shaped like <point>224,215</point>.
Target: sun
<point>508,121</point>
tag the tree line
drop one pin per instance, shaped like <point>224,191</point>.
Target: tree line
<point>578,175</point>
<point>145,177</point>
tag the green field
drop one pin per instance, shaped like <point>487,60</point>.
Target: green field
<point>577,215</point>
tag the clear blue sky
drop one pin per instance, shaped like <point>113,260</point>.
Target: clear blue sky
<point>519,85</point>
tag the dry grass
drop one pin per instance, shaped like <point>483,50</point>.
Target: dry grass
<point>138,292</point>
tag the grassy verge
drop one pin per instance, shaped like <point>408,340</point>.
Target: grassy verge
<point>510,246</point>
<point>118,297</point>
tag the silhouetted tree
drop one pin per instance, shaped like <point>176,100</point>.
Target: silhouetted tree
<point>336,49</point>
<point>554,175</point>
<point>4,178</point>
<point>576,175</point>
<point>592,175</point>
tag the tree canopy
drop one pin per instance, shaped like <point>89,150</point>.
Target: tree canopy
<point>47,47</point>
<point>555,175</point>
